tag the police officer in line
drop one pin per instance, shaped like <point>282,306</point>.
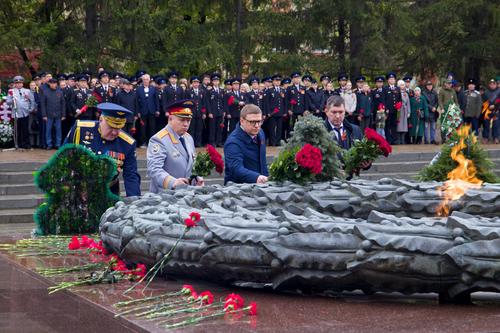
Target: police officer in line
<point>79,98</point>
<point>215,109</point>
<point>324,79</point>
<point>197,95</point>
<point>314,98</point>
<point>378,95</point>
<point>235,100</point>
<point>275,110</point>
<point>173,92</point>
<point>295,98</point>
<point>392,97</point>
<point>342,80</point>
<point>171,151</point>
<point>105,137</point>
<point>360,81</point>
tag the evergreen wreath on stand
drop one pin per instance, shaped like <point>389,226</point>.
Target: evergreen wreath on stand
<point>76,184</point>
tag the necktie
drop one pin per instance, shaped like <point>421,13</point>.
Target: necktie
<point>183,142</point>
<point>342,143</point>
<point>254,139</point>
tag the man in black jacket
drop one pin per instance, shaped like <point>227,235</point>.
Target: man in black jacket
<point>275,110</point>
<point>215,108</point>
<point>127,98</point>
<point>53,112</point>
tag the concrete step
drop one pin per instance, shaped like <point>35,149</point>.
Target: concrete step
<point>24,215</point>
<point>20,201</point>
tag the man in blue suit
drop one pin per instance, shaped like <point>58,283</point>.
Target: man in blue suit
<point>149,109</point>
<point>245,149</point>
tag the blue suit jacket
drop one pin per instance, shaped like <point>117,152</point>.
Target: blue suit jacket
<point>149,104</point>
<point>245,160</point>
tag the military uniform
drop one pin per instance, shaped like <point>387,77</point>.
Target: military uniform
<point>275,110</point>
<point>106,92</point>
<point>172,93</point>
<point>121,149</point>
<point>169,155</point>
<point>234,100</point>
<point>215,109</point>
<point>199,113</point>
<point>392,97</point>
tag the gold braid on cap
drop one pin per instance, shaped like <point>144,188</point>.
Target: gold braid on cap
<point>115,122</point>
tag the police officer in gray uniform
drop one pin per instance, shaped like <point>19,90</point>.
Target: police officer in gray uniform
<point>22,102</point>
<point>171,151</point>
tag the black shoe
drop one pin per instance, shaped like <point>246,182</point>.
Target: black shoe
<point>48,148</point>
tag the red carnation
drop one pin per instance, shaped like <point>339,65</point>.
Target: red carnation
<point>231,100</point>
<point>187,289</point>
<point>383,145</point>
<point>195,216</point>
<point>133,130</point>
<point>221,125</point>
<point>97,96</point>
<point>140,270</point>
<point>230,306</point>
<point>142,123</point>
<point>216,158</point>
<point>74,244</point>
<point>276,110</point>
<point>310,157</point>
<point>236,299</point>
<point>85,241</point>
<point>398,105</point>
<point>253,309</point>
<point>189,223</point>
<point>362,111</point>
<point>293,102</point>
<point>194,295</point>
<point>203,110</point>
<point>207,297</point>
<point>381,106</point>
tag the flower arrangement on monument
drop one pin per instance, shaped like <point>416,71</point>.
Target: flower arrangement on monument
<point>309,155</point>
<point>451,119</point>
<point>368,149</point>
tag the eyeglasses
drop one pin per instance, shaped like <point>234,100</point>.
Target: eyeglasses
<point>254,122</point>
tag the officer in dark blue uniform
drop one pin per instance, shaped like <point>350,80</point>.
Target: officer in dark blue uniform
<point>234,102</point>
<point>295,98</point>
<point>275,110</point>
<point>197,94</point>
<point>324,79</point>
<point>314,98</point>
<point>172,93</point>
<point>104,89</point>
<point>215,109</point>
<point>254,96</point>
<point>378,96</point>
<point>342,80</point>
<point>392,97</point>
<point>407,80</point>
<point>105,137</point>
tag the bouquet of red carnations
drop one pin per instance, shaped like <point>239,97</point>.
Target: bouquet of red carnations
<point>368,149</point>
<point>299,165</point>
<point>207,161</point>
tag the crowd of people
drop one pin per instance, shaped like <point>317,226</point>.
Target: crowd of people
<point>400,110</point>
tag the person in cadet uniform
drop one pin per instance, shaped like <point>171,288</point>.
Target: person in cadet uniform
<point>255,96</point>
<point>378,96</point>
<point>275,109</point>
<point>149,110</point>
<point>306,80</point>
<point>79,98</point>
<point>342,80</point>
<point>205,82</point>
<point>287,116</point>
<point>324,79</point>
<point>161,85</point>
<point>392,97</point>
<point>68,94</point>
<point>197,95</point>
<point>234,101</point>
<point>105,137</point>
<point>409,91</point>
<point>171,151</point>
<point>360,81</point>
<point>127,98</point>
<point>172,92</point>
<point>314,98</point>
<point>215,109</point>
<point>104,88</point>
<point>295,98</point>
<point>326,93</point>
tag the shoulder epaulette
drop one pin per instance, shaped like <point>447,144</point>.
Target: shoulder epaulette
<point>161,134</point>
<point>84,123</point>
<point>127,138</point>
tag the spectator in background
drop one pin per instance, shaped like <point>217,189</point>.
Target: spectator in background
<point>149,109</point>
<point>183,83</point>
<point>457,86</point>
<point>22,102</point>
<point>350,102</point>
<point>492,96</point>
<point>127,98</point>
<point>244,88</point>
<point>54,112</point>
<point>35,120</point>
<point>419,112</point>
<point>432,103</point>
<point>473,104</point>
<point>403,114</point>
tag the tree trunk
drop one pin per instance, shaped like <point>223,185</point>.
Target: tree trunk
<point>91,28</point>
<point>341,45</point>
<point>355,48</point>
<point>239,51</point>
<point>27,61</point>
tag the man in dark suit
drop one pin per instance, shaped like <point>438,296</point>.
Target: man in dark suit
<point>127,97</point>
<point>245,149</point>
<point>344,133</point>
<point>215,108</point>
<point>148,110</point>
<point>295,98</point>
<point>314,97</point>
<point>234,102</point>
<point>392,97</point>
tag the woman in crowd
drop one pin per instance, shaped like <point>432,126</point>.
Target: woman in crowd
<point>403,114</point>
<point>419,114</point>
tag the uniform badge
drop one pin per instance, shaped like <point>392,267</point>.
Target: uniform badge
<point>156,148</point>
<point>175,154</point>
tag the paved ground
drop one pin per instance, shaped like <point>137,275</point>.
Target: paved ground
<point>26,307</point>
